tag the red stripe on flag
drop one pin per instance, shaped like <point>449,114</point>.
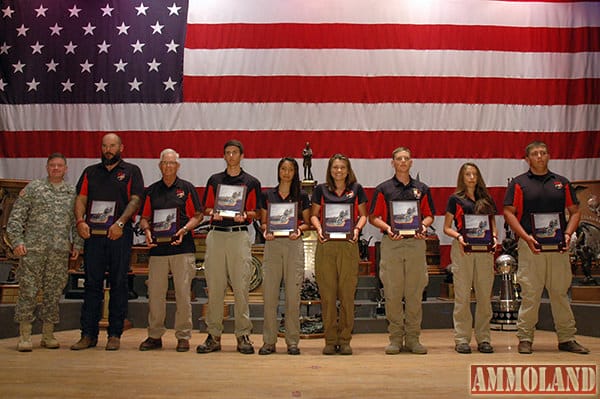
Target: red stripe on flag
<point>278,143</point>
<point>383,89</point>
<point>392,36</point>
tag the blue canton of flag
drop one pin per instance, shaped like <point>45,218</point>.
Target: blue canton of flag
<point>78,51</point>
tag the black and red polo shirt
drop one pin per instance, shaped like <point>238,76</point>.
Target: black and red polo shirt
<point>459,206</point>
<point>394,190</point>
<point>181,195</point>
<point>118,185</point>
<point>253,193</point>
<point>272,195</point>
<point>530,193</point>
<point>355,194</point>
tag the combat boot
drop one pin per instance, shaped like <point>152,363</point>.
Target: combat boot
<point>48,339</point>
<point>413,345</point>
<point>24,344</point>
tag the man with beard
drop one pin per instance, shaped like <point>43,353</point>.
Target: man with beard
<point>108,195</point>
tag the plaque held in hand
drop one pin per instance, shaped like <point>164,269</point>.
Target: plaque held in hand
<point>164,226</point>
<point>548,230</point>
<point>405,217</point>
<point>338,221</point>
<point>101,216</point>
<point>230,200</point>
<point>282,218</point>
<point>477,233</point>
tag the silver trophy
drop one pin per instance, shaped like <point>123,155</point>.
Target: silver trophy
<point>505,307</point>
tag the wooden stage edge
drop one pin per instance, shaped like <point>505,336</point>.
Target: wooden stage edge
<point>164,373</point>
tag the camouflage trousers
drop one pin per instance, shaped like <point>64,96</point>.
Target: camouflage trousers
<point>44,271</point>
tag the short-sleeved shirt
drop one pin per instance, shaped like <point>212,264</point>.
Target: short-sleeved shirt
<point>394,190</point>
<point>459,206</point>
<point>253,194</point>
<point>181,195</point>
<point>530,193</point>
<point>118,185</point>
<point>354,194</point>
<point>272,196</point>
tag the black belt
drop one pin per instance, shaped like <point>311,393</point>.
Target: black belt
<point>229,229</point>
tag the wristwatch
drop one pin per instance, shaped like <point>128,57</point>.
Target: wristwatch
<point>120,224</point>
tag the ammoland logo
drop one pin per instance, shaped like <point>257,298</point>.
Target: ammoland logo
<point>533,379</point>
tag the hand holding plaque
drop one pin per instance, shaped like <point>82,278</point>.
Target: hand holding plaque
<point>338,221</point>
<point>477,233</point>
<point>282,218</point>
<point>548,230</point>
<point>164,226</point>
<point>230,200</point>
<point>405,217</point>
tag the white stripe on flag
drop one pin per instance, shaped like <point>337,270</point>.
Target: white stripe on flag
<point>507,13</point>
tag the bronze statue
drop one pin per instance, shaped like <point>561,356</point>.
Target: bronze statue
<point>307,164</point>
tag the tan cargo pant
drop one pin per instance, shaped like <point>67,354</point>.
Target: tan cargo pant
<point>472,270</point>
<point>553,271</point>
<point>403,272</point>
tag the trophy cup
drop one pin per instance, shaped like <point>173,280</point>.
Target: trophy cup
<point>505,308</point>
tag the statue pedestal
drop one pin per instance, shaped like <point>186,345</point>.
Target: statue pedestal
<point>308,186</point>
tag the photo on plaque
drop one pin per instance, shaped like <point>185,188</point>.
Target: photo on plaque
<point>282,218</point>
<point>405,217</point>
<point>548,231</point>
<point>100,217</point>
<point>477,233</point>
<point>339,224</point>
<point>230,200</point>
<point>164,226</point>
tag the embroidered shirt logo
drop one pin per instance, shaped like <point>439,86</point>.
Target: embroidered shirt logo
<point>180,193</point>
<point>120,176</point>
<point>558,185</point>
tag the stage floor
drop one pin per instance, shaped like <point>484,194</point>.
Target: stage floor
<point>369,373</point>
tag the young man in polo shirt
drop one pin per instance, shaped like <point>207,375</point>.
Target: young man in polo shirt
<point>228,251</point>
<point>403,266</point>
<point>541,191</point>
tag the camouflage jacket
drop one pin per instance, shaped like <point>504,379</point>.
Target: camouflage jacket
<point>42,217</point>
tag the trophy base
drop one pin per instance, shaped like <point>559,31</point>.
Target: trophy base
<point>503,327</point>
<point>504,315</point>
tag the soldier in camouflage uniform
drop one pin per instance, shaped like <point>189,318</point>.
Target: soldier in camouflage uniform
<point>41,229</point>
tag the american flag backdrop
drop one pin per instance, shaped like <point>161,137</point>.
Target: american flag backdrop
<point>456,81</point>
